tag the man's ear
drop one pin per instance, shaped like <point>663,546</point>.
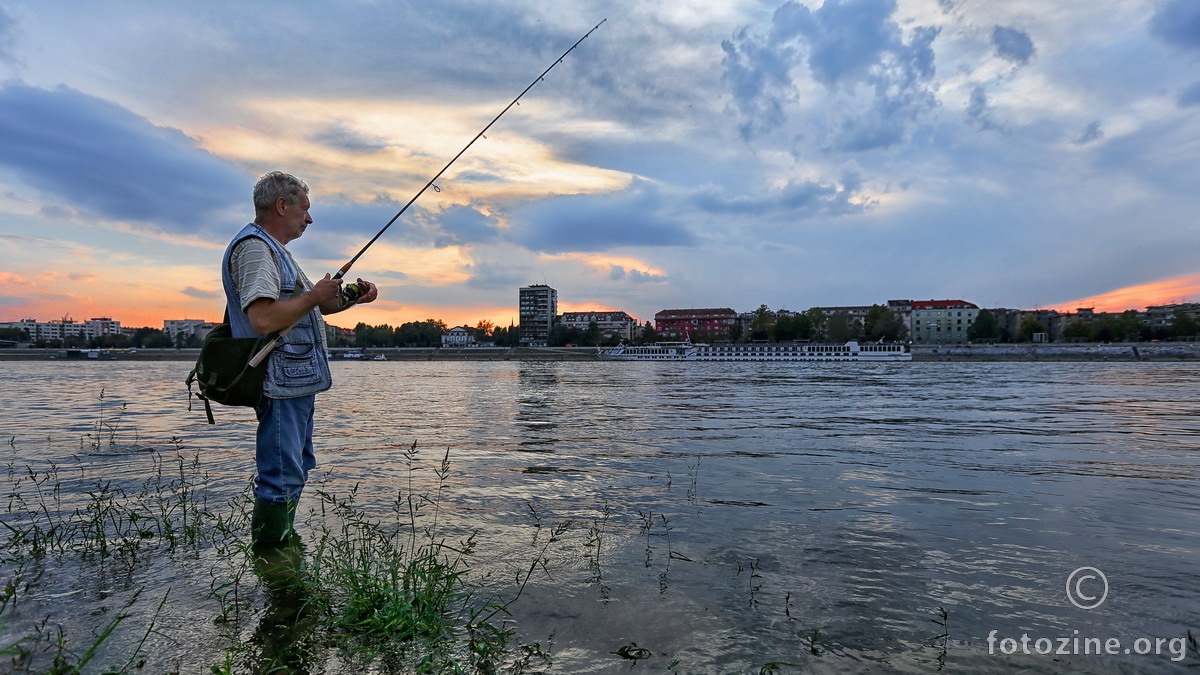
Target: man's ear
<point>281,205</point>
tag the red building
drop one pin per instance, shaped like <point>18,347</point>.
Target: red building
<point>705,324</point>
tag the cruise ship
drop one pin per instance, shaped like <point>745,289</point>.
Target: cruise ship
<point>688,351</point>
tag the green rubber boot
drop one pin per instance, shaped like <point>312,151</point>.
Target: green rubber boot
<point>291,519</point>
<point>270,524</point>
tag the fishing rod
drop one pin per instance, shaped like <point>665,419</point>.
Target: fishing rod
<point>262,353</point>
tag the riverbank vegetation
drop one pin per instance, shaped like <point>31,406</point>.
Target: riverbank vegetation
<point>107,574</point>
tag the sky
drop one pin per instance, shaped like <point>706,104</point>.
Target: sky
<point>688,154</point>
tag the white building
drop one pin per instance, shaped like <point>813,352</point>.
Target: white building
<point>174,328</point>
<point>66,327</point>
<point>459,336</point>
<point>610,324</point>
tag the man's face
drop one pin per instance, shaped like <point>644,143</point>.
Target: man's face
<point>295,217</point>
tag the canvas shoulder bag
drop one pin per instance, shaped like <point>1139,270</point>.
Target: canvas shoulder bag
<point>223,373</point>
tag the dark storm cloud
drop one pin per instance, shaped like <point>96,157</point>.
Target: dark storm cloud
<point>94,155</point>
<point>853,48</point>
<point>1012,44</point>
<point>1177,22</point>
<point>590,223</point>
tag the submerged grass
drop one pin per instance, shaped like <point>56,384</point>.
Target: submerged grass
<point>399,596</point>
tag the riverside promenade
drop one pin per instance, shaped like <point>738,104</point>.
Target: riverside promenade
<point>1117,351</point>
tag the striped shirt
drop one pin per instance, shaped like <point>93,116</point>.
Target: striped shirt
<point>256,275</point>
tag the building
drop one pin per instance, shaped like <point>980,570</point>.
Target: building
<point>699,324</point>
<point>1161,318</point>
<point>459,336</point>
<point>67,328</point>
<point>179,330</point>
<point>941,321</point>
<point>611,324</point>
<point>538,306</point>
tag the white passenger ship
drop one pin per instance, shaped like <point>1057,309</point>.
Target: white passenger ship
<point>688,351</point>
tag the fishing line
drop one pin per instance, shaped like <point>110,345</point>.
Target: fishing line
<point>620,83</point>
<point>262,354</point>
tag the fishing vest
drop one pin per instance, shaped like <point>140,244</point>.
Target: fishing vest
<point>298,366</point>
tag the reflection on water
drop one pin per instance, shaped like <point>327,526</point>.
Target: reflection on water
<point>283,639</point>
<point>729,515</point>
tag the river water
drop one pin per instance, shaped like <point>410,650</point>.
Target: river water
<point>726,516</point>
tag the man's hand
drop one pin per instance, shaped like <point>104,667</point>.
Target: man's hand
<point>325,290</point>
<point>369,294</point>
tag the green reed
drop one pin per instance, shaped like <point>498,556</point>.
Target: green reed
<point>402,593</point>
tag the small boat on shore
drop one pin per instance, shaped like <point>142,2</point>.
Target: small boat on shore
<point>82,354</point>
<point>792,351</point>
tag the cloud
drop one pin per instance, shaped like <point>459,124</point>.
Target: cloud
<point>493,274</point>
<point>8,30</point>
<point>193,292</point>
<point>876,82</point>
<point>95,155</point>
<point>797,198</point>
<point>1093,132</point>
<point>598,223</point>
<point>1177,22</point>
<point>620,273</point>
<point>463,224</point>
<point>980,112</point>
<point>341,137</point>
<point>1190,96</point>
<point>1012,44</point>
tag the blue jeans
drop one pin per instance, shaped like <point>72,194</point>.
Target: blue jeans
<point>284,453</point>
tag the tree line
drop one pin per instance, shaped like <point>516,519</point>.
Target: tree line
<point>427,333</point>
<point>1124,327</point>
<point>766,325</point>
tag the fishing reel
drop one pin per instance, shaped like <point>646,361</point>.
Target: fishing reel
<point>351,292</point>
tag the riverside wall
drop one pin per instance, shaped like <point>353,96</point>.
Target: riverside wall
<point>1117,351</point>
<point>1140,351</point>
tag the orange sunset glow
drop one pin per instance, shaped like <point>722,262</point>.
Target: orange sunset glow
<point>1165,292</point>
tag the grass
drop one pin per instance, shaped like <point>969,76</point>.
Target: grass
<point>396,595</point>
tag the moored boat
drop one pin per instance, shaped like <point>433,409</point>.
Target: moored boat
<point>798,351</point>
<point>659,351</point>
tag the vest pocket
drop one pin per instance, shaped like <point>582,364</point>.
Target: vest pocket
<point>297,364</point>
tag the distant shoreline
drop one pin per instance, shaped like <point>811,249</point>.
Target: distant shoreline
<point>1139,351</point>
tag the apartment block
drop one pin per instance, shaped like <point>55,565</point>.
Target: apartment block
<point>941,321</point>
<point>611,324</point>
<point>684,324</point>
<point>538,306</point>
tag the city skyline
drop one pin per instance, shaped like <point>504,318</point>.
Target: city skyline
<point>640,320</point>
<point>731,153</point>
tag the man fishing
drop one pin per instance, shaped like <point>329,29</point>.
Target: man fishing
<point>265,293</point>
